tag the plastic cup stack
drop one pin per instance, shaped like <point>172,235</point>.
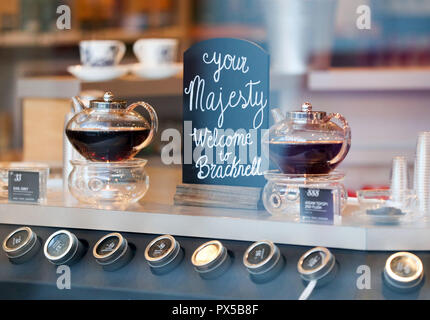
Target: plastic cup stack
<point>422,172</point>
<point>399,179</point>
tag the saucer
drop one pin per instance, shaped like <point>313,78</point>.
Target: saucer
<point>363,217</point>
<point>156,71</point>
<point>88,73</point>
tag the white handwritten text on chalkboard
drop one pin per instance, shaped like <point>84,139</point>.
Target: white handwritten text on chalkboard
<point>226,98</point>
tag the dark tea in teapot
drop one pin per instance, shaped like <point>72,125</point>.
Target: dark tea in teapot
<point>308,142</point>
<point>305,157</point>
<point>109,130</point>
<point>113,145</point>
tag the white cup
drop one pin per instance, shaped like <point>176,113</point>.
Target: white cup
<point>101,53</point>
<point>154,52</point>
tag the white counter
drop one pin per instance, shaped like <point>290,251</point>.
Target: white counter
<point>160,218</point>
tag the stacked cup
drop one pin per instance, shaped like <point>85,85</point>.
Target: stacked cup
<point>422,173</point>
<point>399,179</point>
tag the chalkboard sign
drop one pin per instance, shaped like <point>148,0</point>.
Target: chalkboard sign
<point>225,112</point>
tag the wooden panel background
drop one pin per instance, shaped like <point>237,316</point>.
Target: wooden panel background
<point>43,125</point>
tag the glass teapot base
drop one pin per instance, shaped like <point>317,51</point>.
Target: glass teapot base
<point>281,194</point>
<point>109,185</point>
<point>334,176</point>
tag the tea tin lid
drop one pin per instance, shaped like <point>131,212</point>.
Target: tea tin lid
<point>161,251</point>
<point>316,263</point>
<point>19,242</point>
<point>403,270</point>
<point>61,247</point>
<point>110,248</point>
<point>261,257</point>
<point>209,256</point>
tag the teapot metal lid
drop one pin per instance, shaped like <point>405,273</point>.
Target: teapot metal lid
<point>306,113</point>
<point>108,102</point>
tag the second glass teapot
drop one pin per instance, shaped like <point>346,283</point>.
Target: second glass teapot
<point>308,142</point>
<point>109,130</point>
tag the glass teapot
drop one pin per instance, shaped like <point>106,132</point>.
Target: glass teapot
<point>109,130</point>
<point>308,142</point>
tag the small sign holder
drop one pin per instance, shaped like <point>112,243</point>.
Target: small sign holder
<point>320,205</point>
<point>27,185</point>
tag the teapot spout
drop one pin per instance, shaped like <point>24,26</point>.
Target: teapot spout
<point>277,115</point>
<point>78,104</point>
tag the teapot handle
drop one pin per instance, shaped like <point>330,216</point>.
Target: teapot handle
<point>154,121</point>
<point>346,141</point>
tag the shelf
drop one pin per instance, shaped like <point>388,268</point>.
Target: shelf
<point>253,33</point>
<point>69,38</point>
<point>331,80</point>
<point>156,214</point>
<point>132,86</point>
<point>370,79</point>
<point>69,86</point>
<point>157,218</point>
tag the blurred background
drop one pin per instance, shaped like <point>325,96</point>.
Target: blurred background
<point>375,72</point>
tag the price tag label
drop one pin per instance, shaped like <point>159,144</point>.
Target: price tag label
<point>24,186</point>
<point>317,205</point>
